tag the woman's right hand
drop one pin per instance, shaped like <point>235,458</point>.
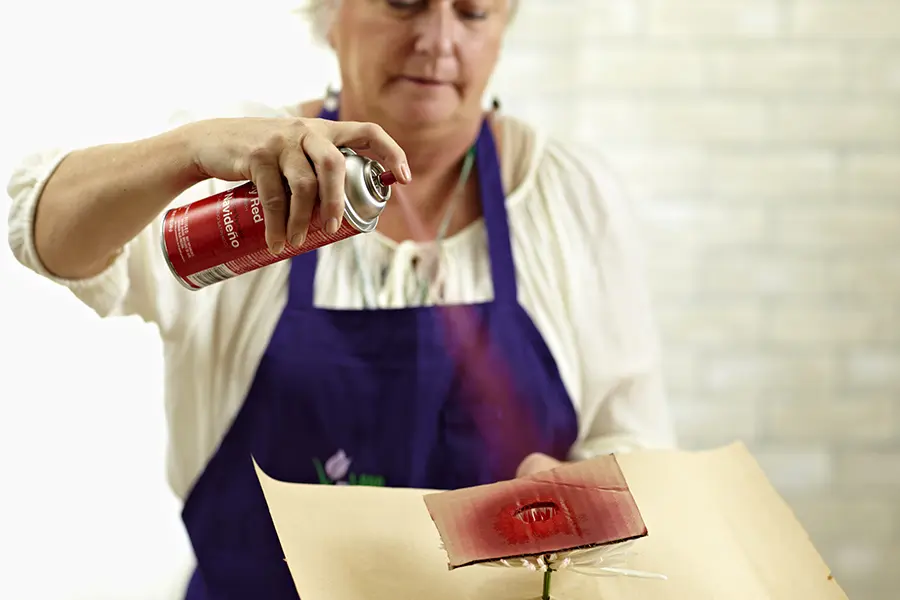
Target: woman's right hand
<point>294,162</point>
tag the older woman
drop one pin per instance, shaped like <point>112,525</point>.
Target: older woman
<point>334,367</point>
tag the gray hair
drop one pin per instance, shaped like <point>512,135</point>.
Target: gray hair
<point>321,15</point>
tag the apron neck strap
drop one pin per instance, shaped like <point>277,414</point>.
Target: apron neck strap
<point>496,223</point>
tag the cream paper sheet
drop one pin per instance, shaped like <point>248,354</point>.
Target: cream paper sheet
<point>717,531</point>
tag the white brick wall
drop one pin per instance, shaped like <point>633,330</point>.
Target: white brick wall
<point>761,139</point>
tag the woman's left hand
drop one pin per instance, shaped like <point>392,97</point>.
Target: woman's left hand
<point>535,463</point>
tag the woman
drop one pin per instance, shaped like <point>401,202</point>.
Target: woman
<point>299,364</point>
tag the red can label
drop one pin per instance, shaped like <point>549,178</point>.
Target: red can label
<point>224,235</point>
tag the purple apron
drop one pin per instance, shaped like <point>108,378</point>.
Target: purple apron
<point>375,397</point>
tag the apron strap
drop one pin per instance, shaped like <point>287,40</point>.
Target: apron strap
<point>493,205</point>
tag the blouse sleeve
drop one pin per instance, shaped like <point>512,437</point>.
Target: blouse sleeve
<point>623,402</point>
<point>137,280</point>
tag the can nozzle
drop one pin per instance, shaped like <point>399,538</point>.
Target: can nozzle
<point>387,178</point>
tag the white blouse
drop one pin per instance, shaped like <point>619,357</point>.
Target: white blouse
<point>578,266</point>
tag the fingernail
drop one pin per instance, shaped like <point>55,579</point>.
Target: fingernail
<point>404,172</point>
<point>277,249</point>
<point>298,240</point>
<point>331,226</point>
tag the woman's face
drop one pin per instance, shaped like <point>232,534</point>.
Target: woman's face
<point>418,62</point>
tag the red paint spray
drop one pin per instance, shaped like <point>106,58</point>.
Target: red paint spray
<point>485,370</point>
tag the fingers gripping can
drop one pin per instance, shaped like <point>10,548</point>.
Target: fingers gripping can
<point>224,235</point>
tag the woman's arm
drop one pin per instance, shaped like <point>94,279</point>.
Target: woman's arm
<point>96,209</point>
<point>100,198</point>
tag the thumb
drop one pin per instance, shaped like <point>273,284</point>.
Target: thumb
<point>535,463</point>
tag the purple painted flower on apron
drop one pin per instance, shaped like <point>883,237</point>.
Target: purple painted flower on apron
<point>338,466</point>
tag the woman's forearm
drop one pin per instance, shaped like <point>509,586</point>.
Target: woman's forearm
<point>100,198</point>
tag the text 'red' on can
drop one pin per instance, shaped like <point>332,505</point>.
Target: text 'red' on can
<point>224,235</point>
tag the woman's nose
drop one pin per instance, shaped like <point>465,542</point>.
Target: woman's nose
<point>436,29</point>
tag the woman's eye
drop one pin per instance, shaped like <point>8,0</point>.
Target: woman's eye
<point>469,13</point>
<point>405,4</point>
<point>471,10</point>
<point>472,15</point>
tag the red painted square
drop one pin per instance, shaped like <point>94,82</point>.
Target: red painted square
<point>577,505</point>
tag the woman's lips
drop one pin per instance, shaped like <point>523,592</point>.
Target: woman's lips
<point>423,81</point>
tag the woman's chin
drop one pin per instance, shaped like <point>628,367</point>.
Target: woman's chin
<point>423,111</point>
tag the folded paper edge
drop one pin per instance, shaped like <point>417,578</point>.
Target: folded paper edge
<point>559,551</point>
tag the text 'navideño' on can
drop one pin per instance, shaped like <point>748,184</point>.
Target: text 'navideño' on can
<point>224,235</point>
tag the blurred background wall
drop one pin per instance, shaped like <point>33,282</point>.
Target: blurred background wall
<point>760,138</point>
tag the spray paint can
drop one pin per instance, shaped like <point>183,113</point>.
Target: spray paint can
<point>224,235</point>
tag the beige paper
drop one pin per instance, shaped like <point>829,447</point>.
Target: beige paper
<point>717,530</point>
